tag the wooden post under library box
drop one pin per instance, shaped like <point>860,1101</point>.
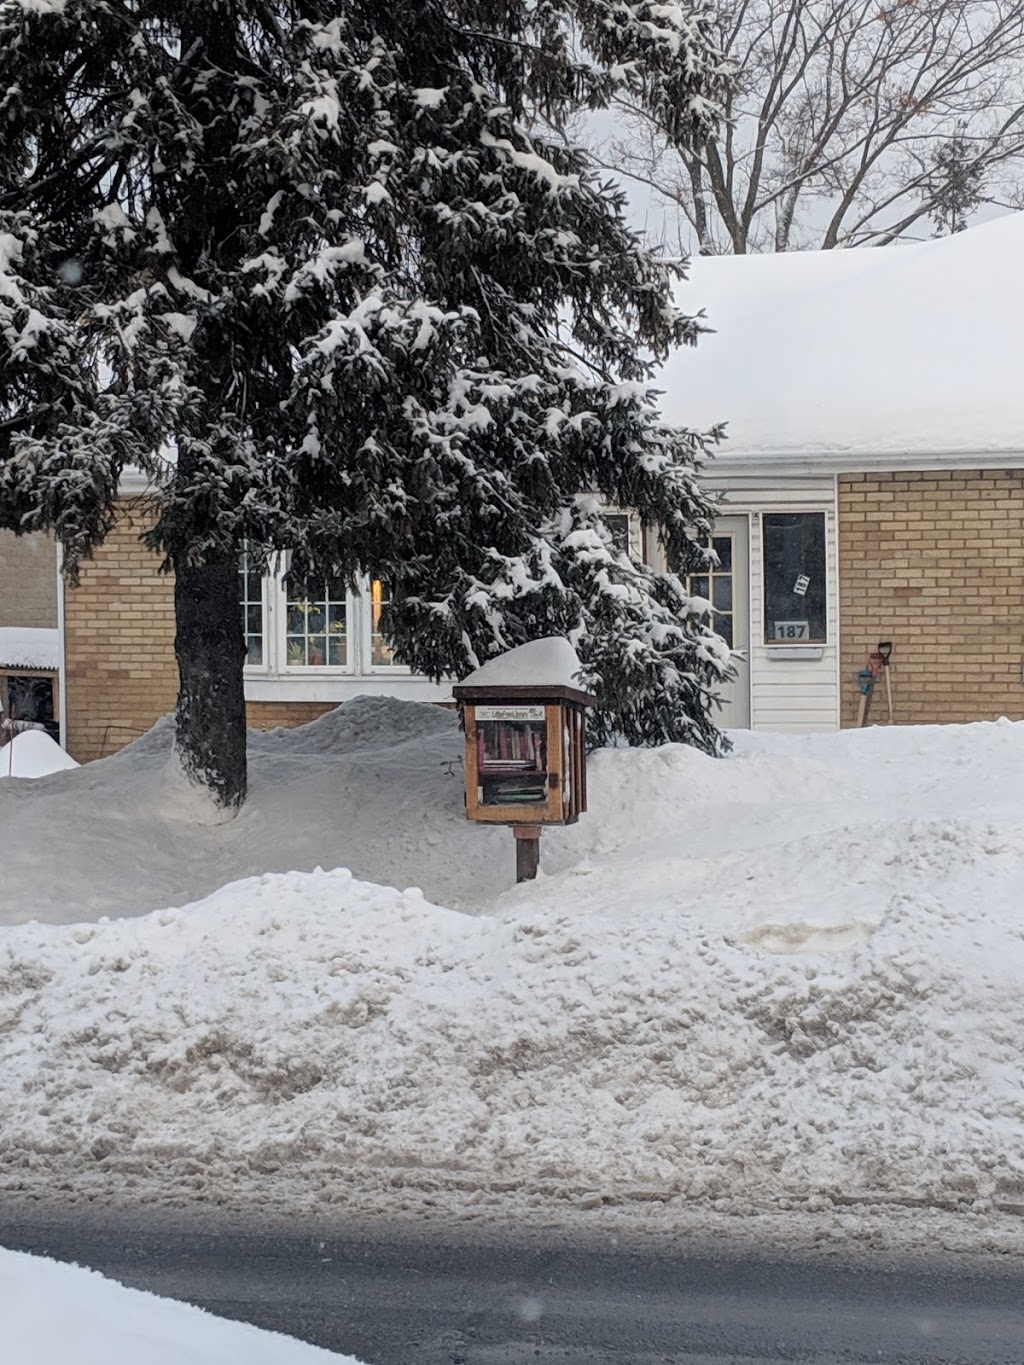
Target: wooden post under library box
<point>526,761</point>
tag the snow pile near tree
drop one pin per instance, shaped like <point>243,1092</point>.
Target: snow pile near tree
<point>785,980</point>
<point>33,753</point>
<point>375,785</point>
<point>54,1313</point>
<point>914,349</point>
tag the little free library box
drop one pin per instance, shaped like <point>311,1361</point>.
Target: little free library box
<point>526,738</point>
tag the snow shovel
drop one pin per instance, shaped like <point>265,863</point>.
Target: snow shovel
<point>885,653</point>
<point>866,681</point>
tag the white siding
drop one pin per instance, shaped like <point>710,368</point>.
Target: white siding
<point>796,694</point>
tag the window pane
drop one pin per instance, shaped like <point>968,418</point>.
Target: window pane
<point>31,699</point>
<point>317,623</point>
<point>250,596</point>
<point>381,655</point>
<point>722,546</point>
<point>716,586</point>
<point>794,577</point>
<point>618,526</point>
<point>337,650</point>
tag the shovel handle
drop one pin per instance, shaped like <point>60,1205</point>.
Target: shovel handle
<point>885,650</point>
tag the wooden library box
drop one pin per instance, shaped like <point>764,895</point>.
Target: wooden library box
<point>525,753</point>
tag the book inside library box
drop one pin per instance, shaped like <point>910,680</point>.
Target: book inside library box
<point>512,759</point>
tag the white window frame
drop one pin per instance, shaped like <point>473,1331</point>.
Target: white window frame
<point>359,635</point>
<point>635,546</point>
<point>634,531</point>
<point>711,572</point>
<point>365,613</point>
<point>830,624</point>
<point>281,667</point>
<point>264,668</point>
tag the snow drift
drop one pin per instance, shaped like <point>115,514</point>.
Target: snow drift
<point>789,978</point>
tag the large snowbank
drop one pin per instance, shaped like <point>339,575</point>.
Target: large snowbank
<point>375,786</point>
<point>902,349</point>
<point>57,1314</point>
<point>786,979</point>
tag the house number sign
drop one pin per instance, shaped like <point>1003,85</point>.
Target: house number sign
<point>792,630</point>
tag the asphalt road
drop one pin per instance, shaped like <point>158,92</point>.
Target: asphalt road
<point>412,1297</point>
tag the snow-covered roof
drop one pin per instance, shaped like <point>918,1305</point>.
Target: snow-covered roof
<point>29,647</point>
<point>899,350</point>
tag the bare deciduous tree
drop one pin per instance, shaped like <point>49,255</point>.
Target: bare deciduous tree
<point>853,122</point>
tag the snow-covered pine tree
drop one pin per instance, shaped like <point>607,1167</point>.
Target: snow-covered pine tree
<point>305,264</point>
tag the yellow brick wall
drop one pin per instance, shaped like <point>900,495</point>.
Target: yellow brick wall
<point>935,563</point>
<point>28,580</point>
<point>118,644</point>
<point>268,715</point>
<point>119,648</point>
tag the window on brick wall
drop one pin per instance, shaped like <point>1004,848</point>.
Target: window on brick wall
<point>252,599</point>
<point>316,623</point>
<point>795,598</point>
<point>301,626</point>
<point>381,654</point>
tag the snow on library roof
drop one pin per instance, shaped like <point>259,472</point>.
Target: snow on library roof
<point>551,661</point>
<point>28,647</point>
<point>880,351</point>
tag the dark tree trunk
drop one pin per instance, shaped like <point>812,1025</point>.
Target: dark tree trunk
<point>210,649</point>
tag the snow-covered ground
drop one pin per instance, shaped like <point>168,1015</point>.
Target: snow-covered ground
<point>375,786</point>
<point>783,983</point>
<point>62,1315</point>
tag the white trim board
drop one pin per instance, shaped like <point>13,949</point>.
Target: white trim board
<point>767,467</point>
<point>341,687</point>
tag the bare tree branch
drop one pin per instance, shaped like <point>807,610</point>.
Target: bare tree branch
<point>852,122</point>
